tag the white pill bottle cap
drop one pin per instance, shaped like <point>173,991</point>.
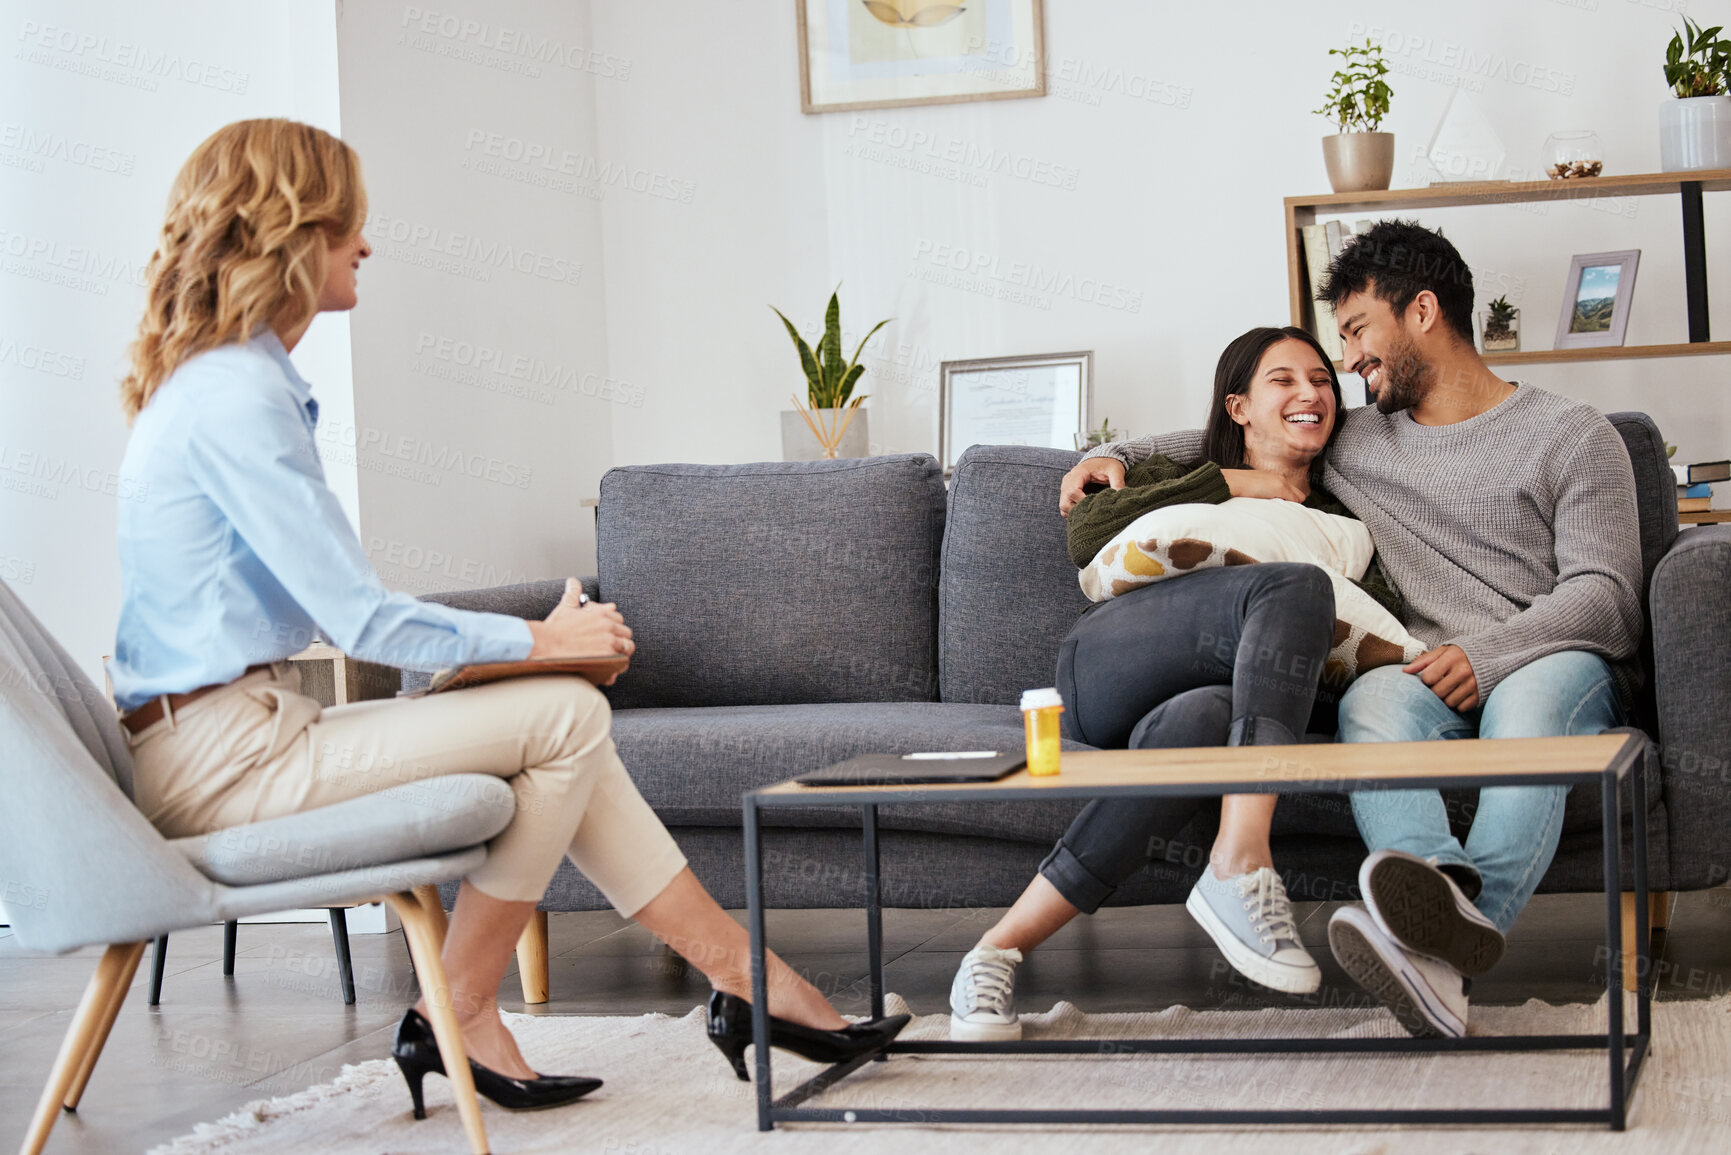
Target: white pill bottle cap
<point>1041,699</point>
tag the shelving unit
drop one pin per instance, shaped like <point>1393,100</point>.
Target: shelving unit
<point>1687,186</point>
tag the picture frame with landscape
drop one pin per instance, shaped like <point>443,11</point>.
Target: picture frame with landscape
<point>1596,299</point>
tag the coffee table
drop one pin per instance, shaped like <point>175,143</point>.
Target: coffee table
<point>1606,760</point>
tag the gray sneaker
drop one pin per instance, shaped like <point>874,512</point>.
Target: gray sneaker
<point>1422,909</point>
<point>1426,994</point>
<point>1250,920</point>
<point>983,997</point>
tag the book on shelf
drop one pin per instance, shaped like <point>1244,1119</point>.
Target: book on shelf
<point>1316,258</point>
<point>1708,471</point>
<point>1694,504</point>
<point>1699,489</point>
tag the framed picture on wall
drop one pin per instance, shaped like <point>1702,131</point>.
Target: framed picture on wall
<point>890,53</point>
<point>1596,299</point>
<point>1045,399</point>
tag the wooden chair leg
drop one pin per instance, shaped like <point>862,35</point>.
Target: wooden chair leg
<point>158,956</point>
<point>426,937</point>
<point>532,958</point>
<point>122,984</point>
<point>1658,915</point>
<point>435,908</point>
<point>84,1037</point>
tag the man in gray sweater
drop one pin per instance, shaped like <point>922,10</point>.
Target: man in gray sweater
<point>1505,516</point>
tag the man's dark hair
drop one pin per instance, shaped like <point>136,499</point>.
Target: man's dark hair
<point>1223,440</point>
<point>1396,261</point>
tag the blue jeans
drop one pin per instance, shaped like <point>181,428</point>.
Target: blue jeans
<point>1515,829</point>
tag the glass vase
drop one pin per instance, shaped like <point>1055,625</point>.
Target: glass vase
<point>1499,334</point>
<point>1573,155</point>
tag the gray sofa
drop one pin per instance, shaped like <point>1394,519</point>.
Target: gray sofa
<point>790,615</point>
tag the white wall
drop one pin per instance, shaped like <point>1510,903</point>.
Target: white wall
<point>610,293</point>
<point>1178,148</point>
<point>482,408</point>
<point>100,102</point>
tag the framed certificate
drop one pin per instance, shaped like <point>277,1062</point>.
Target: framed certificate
<point>1045,399</point>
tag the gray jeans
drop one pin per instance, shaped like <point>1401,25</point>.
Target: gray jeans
<point>1220,657</point>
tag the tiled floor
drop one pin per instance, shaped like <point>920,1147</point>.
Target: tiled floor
<point>279,1024</point>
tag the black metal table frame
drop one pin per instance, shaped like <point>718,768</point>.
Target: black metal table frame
<point>1624,1052</point>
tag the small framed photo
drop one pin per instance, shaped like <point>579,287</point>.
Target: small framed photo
<point>1596,299</point>
<point>1045,399</point>
<point>890,53</point>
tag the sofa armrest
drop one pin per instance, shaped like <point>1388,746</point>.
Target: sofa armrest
<point>1691,627</point>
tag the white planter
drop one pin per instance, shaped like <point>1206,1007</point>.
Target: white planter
<point>799,443</point>
<point>1695,133</point>
<point>1359,161</point>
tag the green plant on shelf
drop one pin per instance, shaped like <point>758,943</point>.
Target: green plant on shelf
<point>1359,99</point>
<point>829,380</point>
<point>1697,62</point>
<point>1094,438</point>
<point>1499,326</point>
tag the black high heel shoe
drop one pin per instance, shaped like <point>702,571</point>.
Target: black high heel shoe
<point>417,1052</point>
<point>730,1031</point>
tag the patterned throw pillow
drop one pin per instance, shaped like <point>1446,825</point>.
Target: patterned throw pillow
<point>1181,539</point>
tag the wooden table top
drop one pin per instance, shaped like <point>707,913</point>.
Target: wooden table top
<point>1319,767</point>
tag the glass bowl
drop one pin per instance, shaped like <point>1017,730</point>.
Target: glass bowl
<point>1573,155</point>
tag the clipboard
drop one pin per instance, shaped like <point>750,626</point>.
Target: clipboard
<point>597,669</point>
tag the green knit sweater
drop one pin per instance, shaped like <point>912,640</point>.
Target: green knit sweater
<point>1158,481</point>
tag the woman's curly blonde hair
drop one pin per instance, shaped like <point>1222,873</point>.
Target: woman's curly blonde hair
<point>243,244</point>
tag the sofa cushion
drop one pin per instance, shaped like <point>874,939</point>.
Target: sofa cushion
<point>416,820</point>
<point>693,764</point>
<point>802,581</point>
<point>1007,593</point>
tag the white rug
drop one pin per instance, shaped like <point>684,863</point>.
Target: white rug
<point>669,1092</point>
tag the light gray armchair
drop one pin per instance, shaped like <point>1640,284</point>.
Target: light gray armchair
<point>80,865</point>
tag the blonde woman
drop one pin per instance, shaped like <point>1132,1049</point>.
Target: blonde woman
<point>240,551</point>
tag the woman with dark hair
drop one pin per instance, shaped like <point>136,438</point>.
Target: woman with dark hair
<point>1220,657</point>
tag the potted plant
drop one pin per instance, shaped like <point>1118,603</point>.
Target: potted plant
<point>1359,158</point>
<point>1500,328</point>
<point>1094,438</point>
<point>830,423</point>
<point>1695,127</point>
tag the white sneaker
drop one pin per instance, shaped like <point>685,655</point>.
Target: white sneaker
<point>983,997</point>
<point>1427,996</point>
<point>1250,919</point>
<point>1423,910</point>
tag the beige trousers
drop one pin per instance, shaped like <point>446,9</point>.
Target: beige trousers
<point>258,748</point>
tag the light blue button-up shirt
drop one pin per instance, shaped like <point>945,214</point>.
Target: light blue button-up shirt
<point>233,550</point>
